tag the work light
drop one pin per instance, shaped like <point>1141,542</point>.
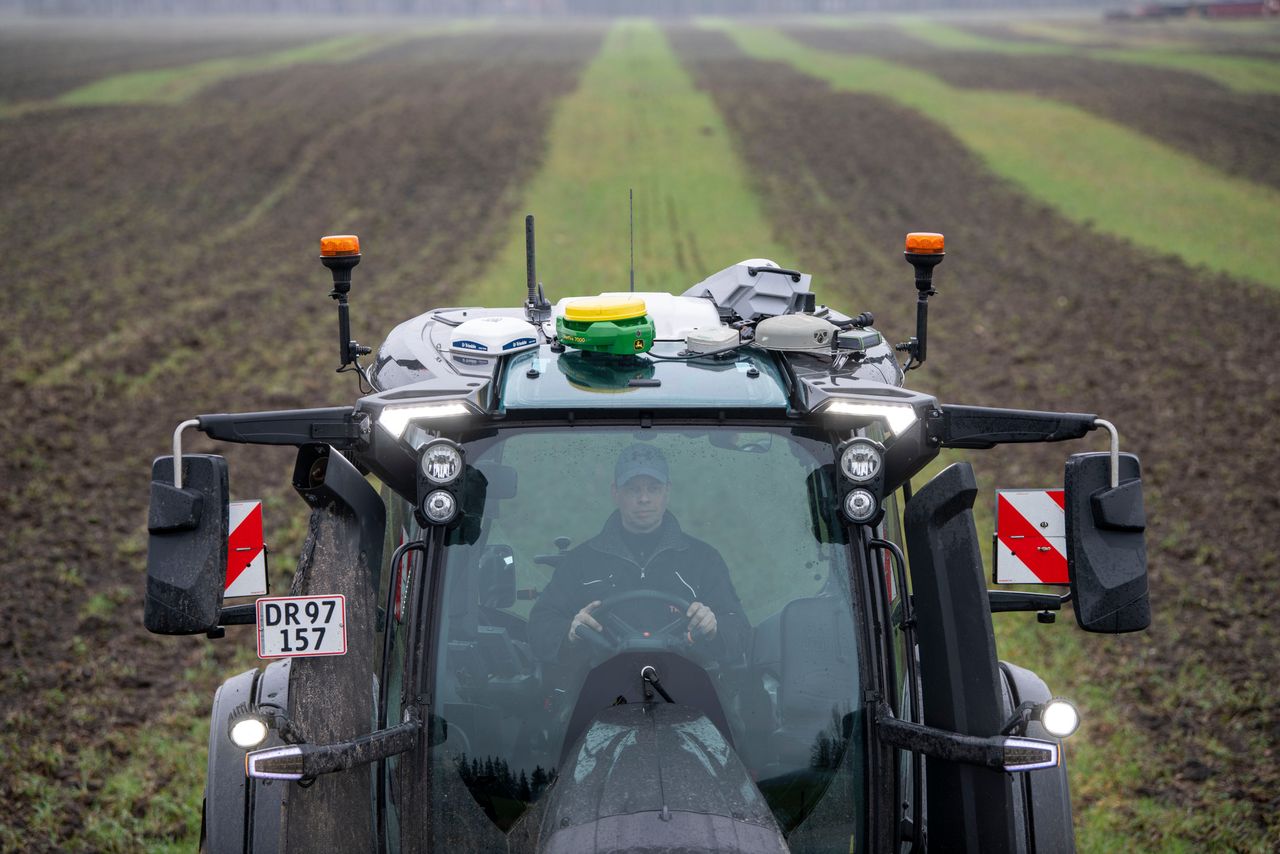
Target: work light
<point>441,462</point>
<point>396,418</point>
<point>897,415</point>
<point>860,505</point>
<point>1059,718</point>
<point>861,460</point>
<point>439,506</point>
<point>248,732</point>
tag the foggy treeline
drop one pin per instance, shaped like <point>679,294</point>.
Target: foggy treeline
<point>550,8</point>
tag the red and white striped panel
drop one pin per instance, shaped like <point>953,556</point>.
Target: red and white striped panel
<point>246,551</point>
<point>1031,537</point>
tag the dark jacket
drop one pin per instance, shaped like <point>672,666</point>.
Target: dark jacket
<point>680,565</point>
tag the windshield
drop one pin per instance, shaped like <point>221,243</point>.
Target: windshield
<point>718,548</point>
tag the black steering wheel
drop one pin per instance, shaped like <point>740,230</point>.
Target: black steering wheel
<point>620,636</point>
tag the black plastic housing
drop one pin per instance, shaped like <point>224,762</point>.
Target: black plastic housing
<point>1106,544</point>
<point>969,808</point>
<point>986,427</point>
<point>187,547</point>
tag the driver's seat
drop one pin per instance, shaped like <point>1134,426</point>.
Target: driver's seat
<point>818,676</point>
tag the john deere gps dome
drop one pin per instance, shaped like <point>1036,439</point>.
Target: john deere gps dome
<point>617,326</point>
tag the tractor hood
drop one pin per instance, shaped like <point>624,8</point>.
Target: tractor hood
<point>656,777</point>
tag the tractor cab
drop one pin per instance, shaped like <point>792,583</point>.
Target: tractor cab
<point>629,572</point>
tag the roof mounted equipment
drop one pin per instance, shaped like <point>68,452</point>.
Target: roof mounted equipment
<point>536,306</point>
<point>755,288</point>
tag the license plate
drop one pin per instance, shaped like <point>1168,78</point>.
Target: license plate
<point>300,626</point>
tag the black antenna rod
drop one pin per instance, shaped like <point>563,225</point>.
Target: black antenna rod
<point>530,264</point>
<point>631,214</point>
<point>536,307</point>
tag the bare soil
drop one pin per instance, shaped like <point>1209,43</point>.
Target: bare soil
<point>168,249</point>
<point>35,65</point>
<point>1037,312</point>
<point>1236,133</point>
<point>1208,37</point>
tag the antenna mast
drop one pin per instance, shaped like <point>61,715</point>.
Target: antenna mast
<point>536,307</point>
<point>631,214</point>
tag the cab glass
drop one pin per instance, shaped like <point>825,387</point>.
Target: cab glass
<point>718,553</point>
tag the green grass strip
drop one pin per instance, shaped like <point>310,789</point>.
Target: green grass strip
<point>1245,74</point>
<point>636,121</point>
<point>1258,34</point>
<point>175,85</point>
<point>1093,171</point>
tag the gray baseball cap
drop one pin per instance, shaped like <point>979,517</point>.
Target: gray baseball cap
<point>640,459</point>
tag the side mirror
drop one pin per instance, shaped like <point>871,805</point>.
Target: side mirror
<point>1106,546</point>
<point>187,549</point>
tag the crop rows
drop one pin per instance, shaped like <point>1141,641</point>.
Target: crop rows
<point>171,270</point>
<point>1037,312</point>
<point>1235,132</point>
<point>164,266</point>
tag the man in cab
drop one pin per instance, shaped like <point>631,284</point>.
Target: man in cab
<point>641,547</point>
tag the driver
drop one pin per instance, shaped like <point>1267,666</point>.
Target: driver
<point>641,547</point>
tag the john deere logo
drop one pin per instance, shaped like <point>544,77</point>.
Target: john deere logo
<point>639,345</point>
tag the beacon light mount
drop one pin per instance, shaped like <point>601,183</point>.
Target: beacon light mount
<point>924,251</point>
<point>341,253</point>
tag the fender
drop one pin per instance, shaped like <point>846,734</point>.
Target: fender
<point>226,788</point>
<point>1046,792</point>
<point>241,814</point>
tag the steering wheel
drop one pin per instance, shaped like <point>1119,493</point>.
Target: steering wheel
<point>619,635</point>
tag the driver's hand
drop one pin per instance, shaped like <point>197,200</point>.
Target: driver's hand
<point>702,620</point>
<point>584,618</point>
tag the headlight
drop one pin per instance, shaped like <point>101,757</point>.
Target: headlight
<point>898,416</point>
<point>1059,718</point>
<point>441,462</point>
<point>861,460</point>
<point>860,505</point>
<point>395,418</point>
<point>440,506</point>
<point>247,733</point>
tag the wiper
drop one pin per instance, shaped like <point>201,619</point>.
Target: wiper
<point>649,674</point>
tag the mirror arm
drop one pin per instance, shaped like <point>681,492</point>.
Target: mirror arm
<point>338,426</point>
<point>1115,449</point>
<point>177,450</point>
<point>981,427</point>
<point>1020,600</point>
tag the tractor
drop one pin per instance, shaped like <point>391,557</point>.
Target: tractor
<point>638,571</point>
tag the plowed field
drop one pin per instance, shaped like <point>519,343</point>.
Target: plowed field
<point>38,62</point>
<point>160,263</point>
<point>1037,312</point>
<point>1237,133</point>
<point>168,268</point>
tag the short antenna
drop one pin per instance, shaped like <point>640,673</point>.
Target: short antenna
<point>631,215</point>
<point>536,307</point>
<point>530,262</point>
